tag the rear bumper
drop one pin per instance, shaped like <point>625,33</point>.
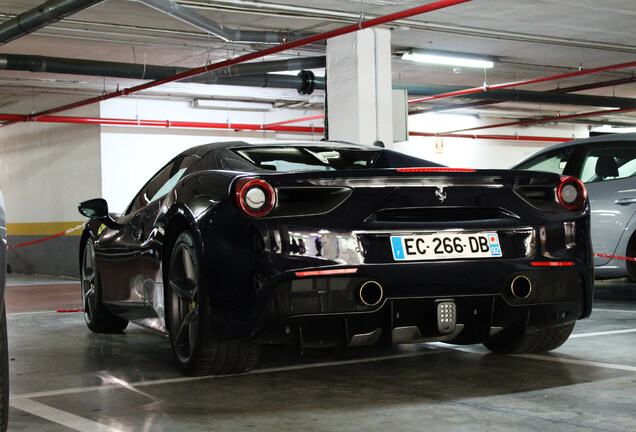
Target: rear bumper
<point>415,320</point>
<point>328,310</point>
<point>264,293</point>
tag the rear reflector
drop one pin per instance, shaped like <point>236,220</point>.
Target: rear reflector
<point>438,169</point>
<point>552,263</point>
<point>326,272</point>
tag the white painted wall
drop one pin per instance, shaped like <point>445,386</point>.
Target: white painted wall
<point>46,169</point>
<point>131,155</point>
<point>479,153</point>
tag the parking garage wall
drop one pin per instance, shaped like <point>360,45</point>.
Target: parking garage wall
<point>480,153</point>
<point>45,171</point>
<point>131,155</point>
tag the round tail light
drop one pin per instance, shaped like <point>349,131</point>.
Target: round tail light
<point>255,197</point>
<point>571,193</point>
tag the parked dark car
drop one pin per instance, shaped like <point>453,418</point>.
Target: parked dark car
<point>234,245</point>
<point>4,351</point>
<point>607,166</point>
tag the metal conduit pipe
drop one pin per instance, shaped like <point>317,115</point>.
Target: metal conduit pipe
<point>558,118</point>
<point>305,83</point>
<point>253,68</point>
<point>31,63</point>
<point>492,87</point>
<point>505,95</point>
<point>188,16</point>
<point>40,16</point>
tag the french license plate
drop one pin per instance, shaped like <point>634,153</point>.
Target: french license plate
<point>434,246</point>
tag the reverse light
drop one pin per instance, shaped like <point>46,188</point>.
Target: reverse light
<point>571,193</point>
<point>255,197</point>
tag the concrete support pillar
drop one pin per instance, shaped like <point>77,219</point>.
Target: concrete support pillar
<point>359,101</point>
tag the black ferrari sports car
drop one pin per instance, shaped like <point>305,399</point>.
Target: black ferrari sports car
<point>234,245</point>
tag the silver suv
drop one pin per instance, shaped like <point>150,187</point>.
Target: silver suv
<point>607,166</point>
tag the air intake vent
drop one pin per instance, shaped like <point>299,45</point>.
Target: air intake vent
<point>441,214</point>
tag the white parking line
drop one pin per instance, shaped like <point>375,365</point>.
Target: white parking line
<point>19,314</point>
<point>578,362</point>
<point>178,380</point>
<point>614,310</point>
<point>63,418</point>
<point>602,333</point>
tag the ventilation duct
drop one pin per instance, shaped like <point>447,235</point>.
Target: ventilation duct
<point>40,16</point>
<point>175,10</point>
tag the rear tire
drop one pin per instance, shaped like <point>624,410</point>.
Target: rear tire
<point>535,342</point>
<point>189,319</point>
<point>97,317</point>
<point>631,252</point>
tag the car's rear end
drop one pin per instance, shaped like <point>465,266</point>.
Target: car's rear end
<point>399,255</point>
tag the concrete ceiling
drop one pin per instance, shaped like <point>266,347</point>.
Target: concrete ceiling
<point>530,38</point>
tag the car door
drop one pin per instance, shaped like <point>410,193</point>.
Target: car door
<point>149,229</point>
<point>128,251</point>
<point>608,171</point>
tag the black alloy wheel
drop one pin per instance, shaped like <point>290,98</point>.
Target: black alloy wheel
<point>184,301</point>
<point>189,319</point>
<point>97,317</point>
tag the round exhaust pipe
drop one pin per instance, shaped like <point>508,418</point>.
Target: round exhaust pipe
<point>370,293</point>
<point>521,287</point>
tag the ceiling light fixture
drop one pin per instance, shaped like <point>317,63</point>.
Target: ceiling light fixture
<point>231,105</point>
<point>449,58</point>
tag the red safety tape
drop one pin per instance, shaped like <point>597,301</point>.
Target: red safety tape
<point>69,310</point>
<point>29,243</point>
<point>32,242</point>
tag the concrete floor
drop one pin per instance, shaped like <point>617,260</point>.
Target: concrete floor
<point>64,378</point>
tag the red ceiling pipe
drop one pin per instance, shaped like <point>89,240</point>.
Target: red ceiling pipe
<point>547,119</point>
<point>492,137</point>
<point>316,117</point>
<point>169,123</point>
<point>486,88</point>
<point>258,54</point>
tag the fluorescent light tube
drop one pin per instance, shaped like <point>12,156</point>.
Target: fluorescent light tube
<point>448,59</point>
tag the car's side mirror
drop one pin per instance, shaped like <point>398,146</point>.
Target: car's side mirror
<point>98,209</point>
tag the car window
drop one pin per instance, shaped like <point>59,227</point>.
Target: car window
<point>553,162</point>
<point>289,158</point>
<point>161,183</point>
<point>608,163</point>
